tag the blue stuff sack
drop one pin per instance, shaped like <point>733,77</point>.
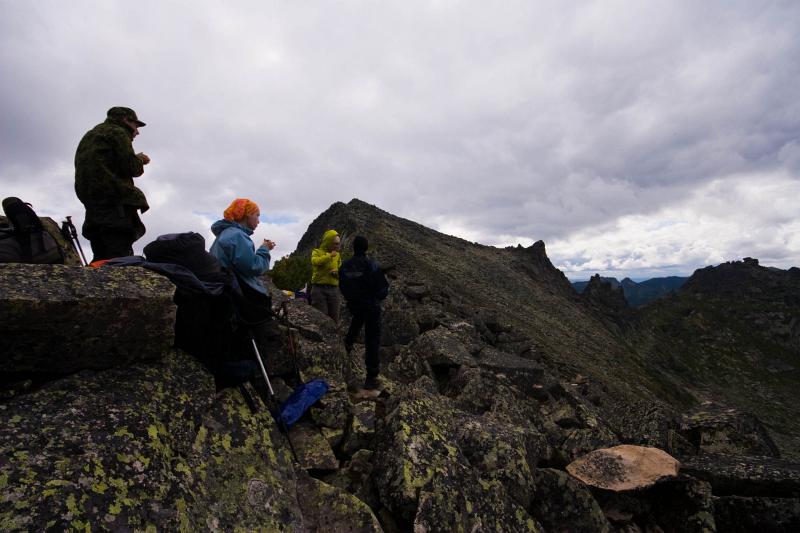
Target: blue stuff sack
<point>301,399</point>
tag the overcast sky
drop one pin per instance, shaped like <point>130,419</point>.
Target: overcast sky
<point>635,138</point>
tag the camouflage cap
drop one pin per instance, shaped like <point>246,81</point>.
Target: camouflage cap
<point>125,112</point>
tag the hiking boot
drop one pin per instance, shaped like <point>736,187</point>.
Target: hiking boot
<point>371,383</point>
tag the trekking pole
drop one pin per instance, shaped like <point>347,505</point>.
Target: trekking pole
<point>263,370</point>
<point>281,424</point>
<point>290,341</point>
<point>71,233</point>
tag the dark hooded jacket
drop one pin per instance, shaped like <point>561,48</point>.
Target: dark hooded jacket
<point>362,282</point>
<point>105,165</point>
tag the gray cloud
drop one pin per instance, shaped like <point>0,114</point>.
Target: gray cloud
<point>503,122</point>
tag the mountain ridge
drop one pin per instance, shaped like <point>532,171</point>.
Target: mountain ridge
<point>521,286</point>
<point>640,293</point>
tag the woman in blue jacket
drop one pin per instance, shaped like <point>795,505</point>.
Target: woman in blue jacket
<point>234,248</point>
<point>237,254</point>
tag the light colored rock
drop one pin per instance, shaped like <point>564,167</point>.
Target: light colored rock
<point>624,467</point>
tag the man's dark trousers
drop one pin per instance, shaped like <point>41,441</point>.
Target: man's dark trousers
<point>370,319</point>
<point>109,243</point>
<point>112,230</point>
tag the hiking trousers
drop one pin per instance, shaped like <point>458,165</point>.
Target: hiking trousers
<point>326,299</point>
<point>108,244</point>
<point>370,319</point>
<point>112,230</point>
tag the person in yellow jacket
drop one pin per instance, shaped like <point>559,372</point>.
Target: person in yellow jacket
<point>325,263</point>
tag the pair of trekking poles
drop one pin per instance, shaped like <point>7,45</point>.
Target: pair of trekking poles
<point>70,233</point>
<point>302,398</point>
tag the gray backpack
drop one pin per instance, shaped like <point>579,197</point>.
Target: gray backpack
<point>25,240</point>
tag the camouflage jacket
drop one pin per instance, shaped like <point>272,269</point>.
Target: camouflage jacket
<point>105,165</point>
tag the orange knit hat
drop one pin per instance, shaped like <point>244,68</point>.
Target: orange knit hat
<point>240,208</point>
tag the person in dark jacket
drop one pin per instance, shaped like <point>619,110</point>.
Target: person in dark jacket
<point>105,165</point>
<point>363,286</point>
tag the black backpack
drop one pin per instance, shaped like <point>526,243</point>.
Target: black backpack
<point>188,250</point>
<point>362,282</point>
<point>26,241</point>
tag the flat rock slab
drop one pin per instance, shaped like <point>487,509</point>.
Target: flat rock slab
<point>746,476</point>
<point>440,346</point>
<point>61,319</point>
<point>624,467</point>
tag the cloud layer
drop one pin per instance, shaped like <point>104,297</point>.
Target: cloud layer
<point>634,138</point>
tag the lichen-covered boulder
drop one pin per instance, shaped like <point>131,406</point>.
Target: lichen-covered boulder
<point>414,446</point>
<point>398,325</point>
<point>739,514</point>
<point>647,423</point>
<point>333,409</point>
<point>683,505</point>
<point>313,450</point>
<point>61,319</point>
<point>439,347</point>
<point>564,504</point>
<point>523,373</point>
<point>353,476</point>
<point>624,467</point>
<point>568,422</point>
<point>713,428</point>
<point>580,441</point>
<point>107,449</point>
<point>485,507</point>
<point>573,424</point>
<point>499,450</point>
<point>424,479</point>
<point>477,390</point>
<point>239,474</point>
<point>328,509</point>
<point>361,432</point>
<point>320,349</point>
<point>673,505</point>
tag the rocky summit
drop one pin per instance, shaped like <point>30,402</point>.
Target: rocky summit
<point>497,377</point>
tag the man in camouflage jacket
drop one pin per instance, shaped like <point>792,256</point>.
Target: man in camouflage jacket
<point>105,165</point>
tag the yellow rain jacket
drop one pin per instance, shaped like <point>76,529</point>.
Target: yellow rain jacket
<point>323,263</point>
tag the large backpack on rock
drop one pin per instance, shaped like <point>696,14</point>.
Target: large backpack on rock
<point>188,250</point>
<point>26,240</point>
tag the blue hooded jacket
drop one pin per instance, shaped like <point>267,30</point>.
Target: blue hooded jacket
<point>235,251</point>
